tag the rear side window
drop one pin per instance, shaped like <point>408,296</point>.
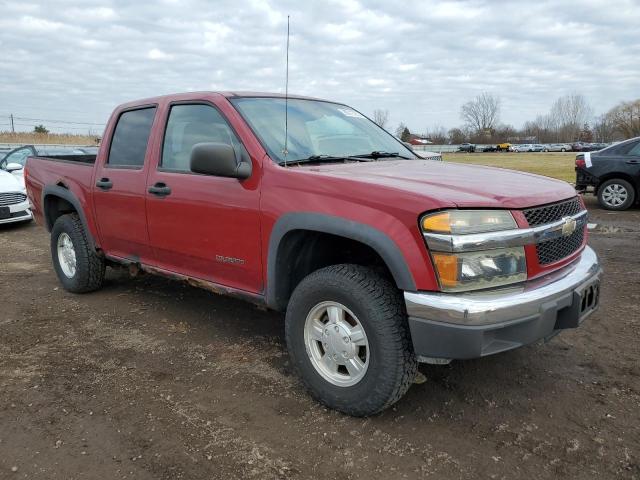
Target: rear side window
<point>191,124</point>
<point>635,150</point>
<point>129,143</point>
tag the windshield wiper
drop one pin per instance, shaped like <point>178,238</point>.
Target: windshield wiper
<point>376,154</point>
<point>322,158</point>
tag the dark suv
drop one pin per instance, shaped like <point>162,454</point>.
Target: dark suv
<point>613,174</point>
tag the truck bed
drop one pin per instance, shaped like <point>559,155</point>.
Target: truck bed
<point>71,172</point>
<point>87,159</point>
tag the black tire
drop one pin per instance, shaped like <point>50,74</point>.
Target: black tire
<point>563,149</point>
<point>612,183</point>
<point>379,307</point>
<point>90,268</point>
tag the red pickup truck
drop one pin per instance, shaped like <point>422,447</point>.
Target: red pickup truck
<point>379,258</point>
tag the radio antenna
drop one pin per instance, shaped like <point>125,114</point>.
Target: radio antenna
<point>286,101</point>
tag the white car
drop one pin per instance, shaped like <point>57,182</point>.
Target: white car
<point>557,147</point>
<point>431,156</point>
<point>14,205</point>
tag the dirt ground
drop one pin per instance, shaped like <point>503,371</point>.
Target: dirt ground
<point>152,379</point>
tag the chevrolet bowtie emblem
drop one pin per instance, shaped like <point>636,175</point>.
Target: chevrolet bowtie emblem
<point>569,226</point>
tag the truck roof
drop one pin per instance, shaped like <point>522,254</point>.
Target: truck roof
<point>228,94</point>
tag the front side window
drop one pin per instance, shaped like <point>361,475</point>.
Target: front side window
<point>191,124</point>
<point>130,139</point>
<point>314,128</point>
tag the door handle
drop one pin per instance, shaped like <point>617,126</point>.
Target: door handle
<point>160,189</point>
<point>104,183</point>
<point>633,162</point>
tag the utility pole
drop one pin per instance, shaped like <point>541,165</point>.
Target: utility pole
<point>13,130</point>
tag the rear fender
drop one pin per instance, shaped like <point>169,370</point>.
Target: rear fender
<point>55,191</point>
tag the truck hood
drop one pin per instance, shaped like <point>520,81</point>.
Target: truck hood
<point>10,182</point>
<point>455,184</point>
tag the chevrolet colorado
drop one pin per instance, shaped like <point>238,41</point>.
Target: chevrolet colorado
<point>380,259</point>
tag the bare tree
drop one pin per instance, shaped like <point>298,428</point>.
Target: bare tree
<point>625,118</point>
<point>603,129</point>
<point>568,114</point>
<point>381,117</point>
<point>482,113</point>
<point>436,134</point>
<point>456,136</point>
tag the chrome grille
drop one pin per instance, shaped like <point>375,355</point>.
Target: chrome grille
<point>11,198</point>
<point>552,213</point>
<point>554,250</point>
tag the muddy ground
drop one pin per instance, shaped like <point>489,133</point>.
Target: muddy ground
<point>152,379</point>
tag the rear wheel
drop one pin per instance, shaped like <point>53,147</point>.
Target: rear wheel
<point>349,341</point>
<point>616,194</point>
<point>76,263</point>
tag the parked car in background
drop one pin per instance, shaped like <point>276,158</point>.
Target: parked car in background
<point>437,157</point>
<point>503,147</point>
<point>19,155</point>
<point>490,148</point>
<point>380,259</point>
<point>524,147</point>
<point>613,174</point>
<point>557,147</point>
<point>599,146</point>
<point>584,147</point>
<point>467,147</point>
<point>14,205</point>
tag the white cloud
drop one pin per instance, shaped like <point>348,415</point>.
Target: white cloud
<point>157,54</point>
<point>421,61</point>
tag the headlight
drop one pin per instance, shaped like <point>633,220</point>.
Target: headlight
<point>468,221</point>
<point>473,270</point>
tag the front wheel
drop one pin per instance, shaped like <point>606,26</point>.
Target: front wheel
<point>78,266</point>
<point>349,340</point>
<point>616,194</point>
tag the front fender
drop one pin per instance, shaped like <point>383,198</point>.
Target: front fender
<point>374,238</point>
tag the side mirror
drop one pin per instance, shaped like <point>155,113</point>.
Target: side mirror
<point>12,167</point>
<point>218,159</point>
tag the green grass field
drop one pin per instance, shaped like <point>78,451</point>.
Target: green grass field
<point>557,165</point>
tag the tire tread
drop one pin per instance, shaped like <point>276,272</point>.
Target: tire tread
<point>392,319</point>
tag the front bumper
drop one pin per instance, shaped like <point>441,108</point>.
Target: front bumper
<point>18,212</point>
<point>476,324</point>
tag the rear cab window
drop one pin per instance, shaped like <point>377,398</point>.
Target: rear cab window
<point>130,138</point>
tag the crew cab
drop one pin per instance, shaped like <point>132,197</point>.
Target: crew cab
<point>380,259</point>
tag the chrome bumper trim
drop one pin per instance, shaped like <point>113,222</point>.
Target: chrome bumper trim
<point>504,304</point>
<point>502,239</point>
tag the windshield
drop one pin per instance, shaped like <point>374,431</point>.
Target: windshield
<point>315,129</point>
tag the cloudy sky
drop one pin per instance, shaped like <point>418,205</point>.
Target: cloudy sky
<point>75,60</point>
